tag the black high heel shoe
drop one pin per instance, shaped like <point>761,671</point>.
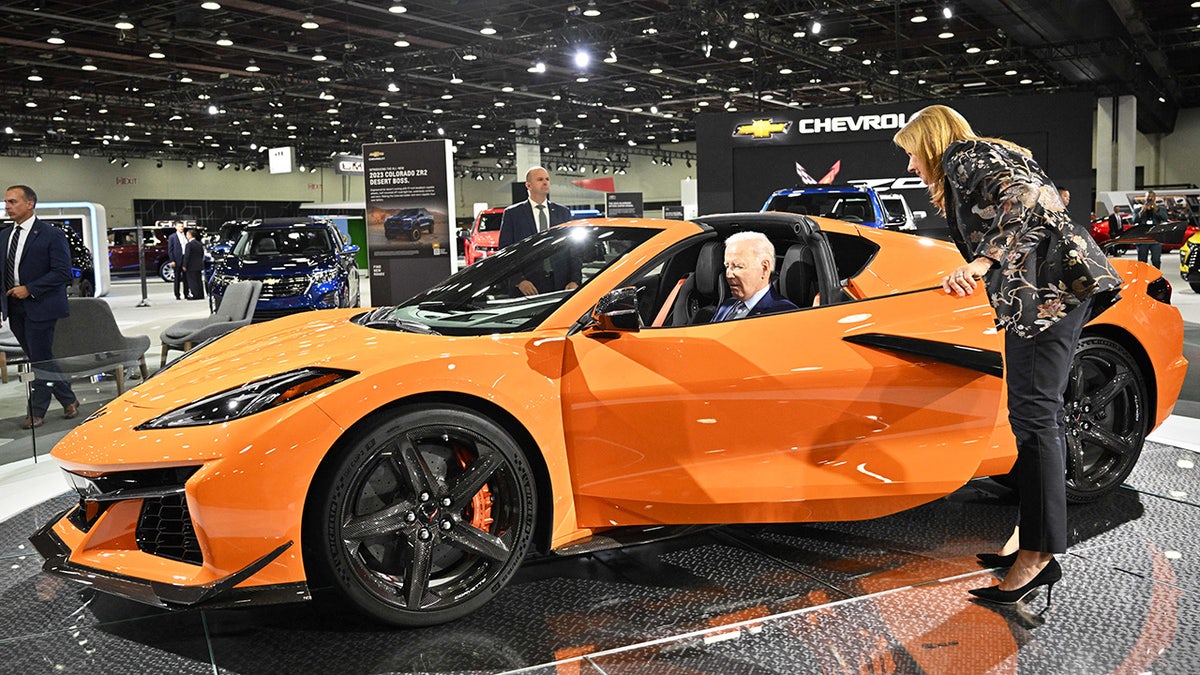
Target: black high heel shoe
<point>1050,575</point>
<point>997,560</point>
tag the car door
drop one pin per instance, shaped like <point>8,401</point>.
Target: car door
<point>778,417</point>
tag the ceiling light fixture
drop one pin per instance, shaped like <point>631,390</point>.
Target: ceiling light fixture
<point>582,58</point>
<point>123,23</point>
<point>397,8</point>
<point>309,22</point>
<point>816,26</point>
<point>655,69</point>
<point>591,10</point>
<point>919,17</point>
<point>488,28</point>
<point>401,41</point>
<point>223,40</point>
<point>318,56</point>
<point>37,157</point>
<point>947,12</point>
<point>611,57</point>
<point>538,66</point>
<point>469,55</point>
<point>55,38</point>
<point>33,76</point>
<point>124,163</point>
<point>946,34</point>
<point>210,6</point>
<point>252,67</point>
<point>973,49</point>
<point>156,52</point>
<point>88,65</point>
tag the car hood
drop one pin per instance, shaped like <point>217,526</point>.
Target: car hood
<point>273,266</point>
<point>488,239</point>
<point>325,339</point>
<point>1164,233</point>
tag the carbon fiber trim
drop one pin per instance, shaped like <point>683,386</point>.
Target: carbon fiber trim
<point>981,360</point>
<point>219,593</point>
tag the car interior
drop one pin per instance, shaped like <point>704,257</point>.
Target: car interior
<point>685,285</point>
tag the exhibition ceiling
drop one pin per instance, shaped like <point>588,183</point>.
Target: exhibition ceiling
<point>593,80</point>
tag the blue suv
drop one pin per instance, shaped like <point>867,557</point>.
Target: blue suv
<point>849,203</point>
<point>303,263</point>
<point>408,223</point>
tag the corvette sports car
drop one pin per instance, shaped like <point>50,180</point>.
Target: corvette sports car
<point>410,457</point>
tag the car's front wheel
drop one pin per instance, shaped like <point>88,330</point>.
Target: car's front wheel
<point>1195,285</point>
<point>1107,416</point>
<point>426,515</point>
<point>415,233</point>
<point>166,271</point>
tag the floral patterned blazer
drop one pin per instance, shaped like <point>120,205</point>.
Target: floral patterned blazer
<point>1002,206</point>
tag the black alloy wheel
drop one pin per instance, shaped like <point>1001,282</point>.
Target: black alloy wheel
<point>1195,285</point>
<point>415,233</point>
<point>1107,417</point>
<point>426,516</point>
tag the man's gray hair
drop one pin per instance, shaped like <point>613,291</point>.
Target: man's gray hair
<point>762,247</point>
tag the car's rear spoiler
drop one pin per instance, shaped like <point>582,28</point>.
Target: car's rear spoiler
<point>1164,233</point>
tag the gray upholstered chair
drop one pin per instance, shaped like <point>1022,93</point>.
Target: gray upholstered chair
<point>236,310</point>
<point>10,352</point>
<point>89,342</point>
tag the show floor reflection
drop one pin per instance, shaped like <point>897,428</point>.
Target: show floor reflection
<point>881,596</point>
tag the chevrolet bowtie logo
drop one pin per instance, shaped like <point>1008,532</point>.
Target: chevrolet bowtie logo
<point>762,128</point>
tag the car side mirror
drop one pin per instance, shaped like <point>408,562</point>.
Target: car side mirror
<point>350,248</point>
<point>221,249</point>
<point>617,312</point>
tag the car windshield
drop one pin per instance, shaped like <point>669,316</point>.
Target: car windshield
<point>838,205</point>
<point>291,242</point>
<point>484,298</point>
<point>490,222</point>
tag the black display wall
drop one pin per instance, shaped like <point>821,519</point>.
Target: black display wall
<point>744,157</point>
<point>209,213</point>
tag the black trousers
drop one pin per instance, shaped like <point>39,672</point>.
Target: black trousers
<point>180,282</point>
<point>1037,371</point>
<point>37,339</point>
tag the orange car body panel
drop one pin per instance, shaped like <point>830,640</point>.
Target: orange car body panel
<point>882,431</point>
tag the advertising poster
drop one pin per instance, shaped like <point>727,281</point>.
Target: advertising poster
<point>744,157</point>
<point>410,210</point>
<point>623,205</point>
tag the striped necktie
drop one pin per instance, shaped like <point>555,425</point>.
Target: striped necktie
<point>10,265</point>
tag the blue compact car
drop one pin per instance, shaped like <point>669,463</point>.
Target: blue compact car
<point>408,223</point>
<point>303,263</point>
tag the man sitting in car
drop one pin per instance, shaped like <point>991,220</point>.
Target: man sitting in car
<point>749,262</point>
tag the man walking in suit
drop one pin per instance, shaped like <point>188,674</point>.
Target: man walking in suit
<point>175,245</point>
<point>749,261</point>
<point>35,277</point>
<point>538,214</point>
<point>193,266</point>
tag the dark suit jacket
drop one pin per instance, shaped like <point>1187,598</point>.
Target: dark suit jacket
<point>45,270</point>
<point>768,304</point>
<point>175,249</point>
<point>193,256</point>
<point>517,223</point>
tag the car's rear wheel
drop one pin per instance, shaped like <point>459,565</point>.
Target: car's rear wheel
<point>426,515</point>
<point>1107,417</point>
<point>415,233</point>
<point>166,271</point>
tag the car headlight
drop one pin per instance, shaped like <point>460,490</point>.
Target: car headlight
<point>321,276</point>
<point>222,279</point>
<point>249,398</point>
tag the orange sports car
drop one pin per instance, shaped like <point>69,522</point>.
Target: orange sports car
<point>411,456</point>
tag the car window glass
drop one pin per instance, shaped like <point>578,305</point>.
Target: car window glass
<point>490,222</point>
<point>486,297</point>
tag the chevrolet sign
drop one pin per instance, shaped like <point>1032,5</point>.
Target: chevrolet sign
<point>762,128</point>
<point>826,125</point>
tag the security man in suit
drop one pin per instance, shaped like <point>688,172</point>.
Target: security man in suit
<point>749,261</point>
<point>538,214</point>
<point>175,245</point>
<point>193,265</point>
<point>35,277</point>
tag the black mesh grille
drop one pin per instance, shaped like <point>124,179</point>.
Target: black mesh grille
<point>261,315</point>
<point>165,530</point>
<point>284,288</point>
<point>1193,258</point>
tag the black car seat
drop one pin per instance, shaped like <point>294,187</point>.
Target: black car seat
<point>265,245</point>
<point>703,290</point>
<point>855,212</point>
<point>798,279</point>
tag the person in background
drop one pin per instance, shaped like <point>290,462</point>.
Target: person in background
<point>1150,213</point>
<point>749,262</point>
<point>193,265</point>
<point>1065,195</point>
<point>538,214</point>
<point>175,245</point>
<point>1045,277</point>
<point>36,273</point>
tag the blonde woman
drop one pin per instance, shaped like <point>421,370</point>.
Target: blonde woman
<point>1045,277</point>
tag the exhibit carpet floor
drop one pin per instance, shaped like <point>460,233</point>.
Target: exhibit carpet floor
<point>881,596</point>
